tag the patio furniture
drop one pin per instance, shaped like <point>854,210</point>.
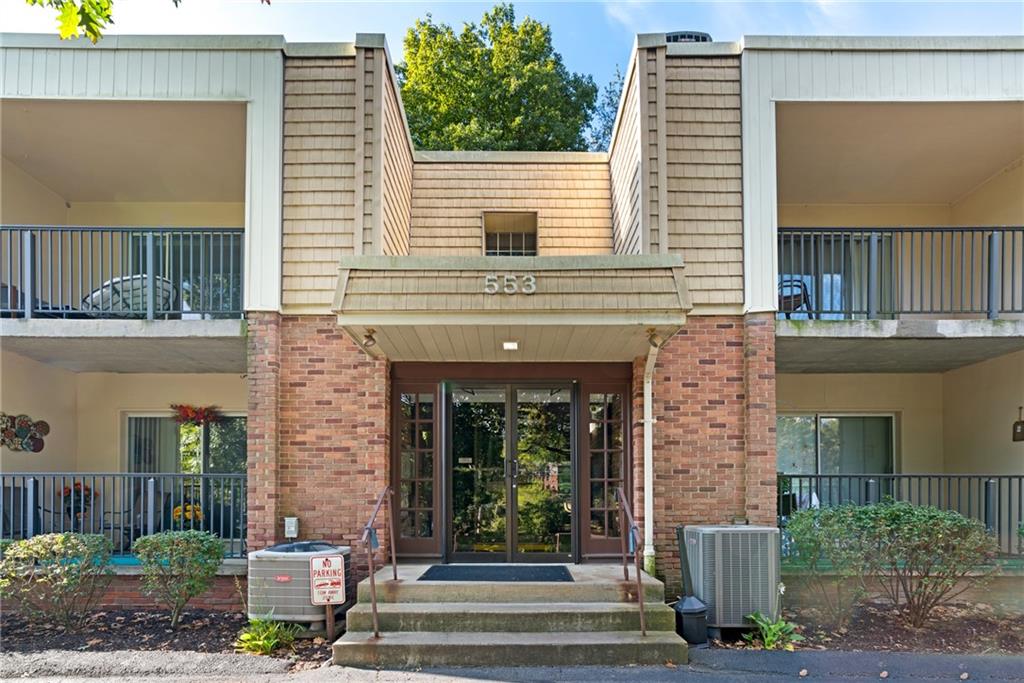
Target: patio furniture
<point>126,296</point>
<point>794,295</point>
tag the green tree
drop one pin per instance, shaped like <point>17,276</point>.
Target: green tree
<point>603,123</point>
<point>496,86</point>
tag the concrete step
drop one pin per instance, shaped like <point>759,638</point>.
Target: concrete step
<point>511,617</point>
<point>417,649</point>
<point>585,588</point>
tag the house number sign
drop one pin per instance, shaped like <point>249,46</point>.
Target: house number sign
<point>510,284</point>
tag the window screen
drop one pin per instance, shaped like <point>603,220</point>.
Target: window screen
<point>509,233</point>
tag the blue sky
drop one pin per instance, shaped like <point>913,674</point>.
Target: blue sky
<point>592,36</point>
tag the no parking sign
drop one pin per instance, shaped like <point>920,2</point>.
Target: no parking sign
<point>327,579</point>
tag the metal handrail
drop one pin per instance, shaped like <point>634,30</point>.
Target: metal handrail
<point>833,273</point>
<point>369,539</point>
<point>628,525</point>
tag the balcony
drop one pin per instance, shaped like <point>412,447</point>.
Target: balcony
<point>121,273</point>
<point>899,273</point>
<point>124,507</point>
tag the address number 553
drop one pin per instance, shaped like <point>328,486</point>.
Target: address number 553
<point>510,284</point>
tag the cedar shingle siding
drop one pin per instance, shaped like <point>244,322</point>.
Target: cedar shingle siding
<point>705,199</point>
<point>571,200</point>
<point>319,176</point>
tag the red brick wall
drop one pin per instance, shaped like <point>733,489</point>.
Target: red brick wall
<point>332,436</point>
<point>759,356</point>
<point>263,346</point>
<point>125,592</point>
<point>714,431</point>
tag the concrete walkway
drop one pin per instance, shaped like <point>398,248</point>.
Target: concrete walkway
<point>706,666</point>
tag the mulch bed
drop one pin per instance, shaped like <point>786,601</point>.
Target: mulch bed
<point>957,629</point>
<point>139,629</point>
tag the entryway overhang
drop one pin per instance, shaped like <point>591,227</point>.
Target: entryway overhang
<point>550,308</point>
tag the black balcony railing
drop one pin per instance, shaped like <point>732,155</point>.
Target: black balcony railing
<point>133,272</point>
<point>995,500</point>
<point>843,273</point>
<point>124,507</point>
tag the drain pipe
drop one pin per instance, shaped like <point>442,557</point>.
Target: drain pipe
<point>648,422</point>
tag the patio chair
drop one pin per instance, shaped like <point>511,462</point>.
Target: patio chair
<point>793,296</point>
<point>125,297</point>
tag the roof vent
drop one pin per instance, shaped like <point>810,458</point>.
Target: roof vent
<point>688,37</point>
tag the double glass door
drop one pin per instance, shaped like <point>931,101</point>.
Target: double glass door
<point>511,472</point>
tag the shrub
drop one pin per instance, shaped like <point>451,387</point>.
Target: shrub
<point>177,566</point>
<point>828,549</point>
<point>777,634</point>
<point>56,577</point>
<point>923,557</point>
<point>263,636</point>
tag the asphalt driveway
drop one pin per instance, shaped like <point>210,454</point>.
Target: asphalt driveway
<point>706,666</point>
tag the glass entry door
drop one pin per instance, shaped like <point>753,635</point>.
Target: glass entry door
<point>512,477</point>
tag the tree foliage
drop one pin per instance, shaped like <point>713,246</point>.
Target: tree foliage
<point>499,85</point>
<point>602,125</point>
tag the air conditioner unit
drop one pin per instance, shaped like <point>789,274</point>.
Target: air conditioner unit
<point>279,581</point>
<point>735,571</point>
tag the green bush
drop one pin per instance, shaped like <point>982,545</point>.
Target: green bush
<point>923,557</point>
<point>828,550</point>
<point>263,636</point>
<point>56,577</point>
<point>177,566</point>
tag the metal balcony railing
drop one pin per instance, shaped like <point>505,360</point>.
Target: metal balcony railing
<point>124,507</point>
<point>131,272</point>
<point>995,500</point>
<point>844,273</point>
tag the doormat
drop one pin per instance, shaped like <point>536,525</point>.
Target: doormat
<point>496,572</point>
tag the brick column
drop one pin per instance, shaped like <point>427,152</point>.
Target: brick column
<point>264,369</point>
<point>334,433</point>
<point>759,377</point>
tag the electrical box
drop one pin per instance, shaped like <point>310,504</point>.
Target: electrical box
<point>291,527</point>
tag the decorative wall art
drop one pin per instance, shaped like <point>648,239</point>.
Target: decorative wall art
<point>22,433</point>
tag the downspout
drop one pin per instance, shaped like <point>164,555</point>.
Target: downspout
<point>648,421</point>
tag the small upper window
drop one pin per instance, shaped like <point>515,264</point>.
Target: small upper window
<point>510,233</point>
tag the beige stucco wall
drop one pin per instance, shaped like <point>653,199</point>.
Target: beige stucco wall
<point>999,201</point>
<point>86,411</point>
<point>980,407</point>
<point>25,200</point>
<point>158,214</point>
<point>104,399</point>
<point>915,399</point>
<point>863,215</point>
<point>42,392</point>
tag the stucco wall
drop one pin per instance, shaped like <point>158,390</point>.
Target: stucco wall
<point>42,392</point>
<point>999,201</point>
<point>25,200</point>
<point>980,405</point>
<point>916,400</point>
<point>103,399</point>
<point>86,410</point>
<point>158,214</point>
